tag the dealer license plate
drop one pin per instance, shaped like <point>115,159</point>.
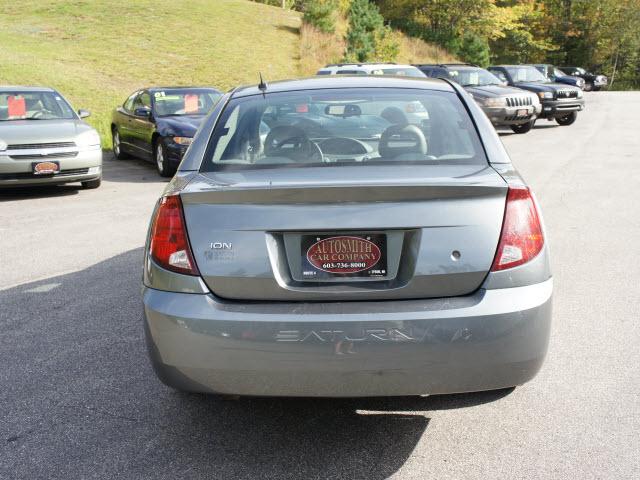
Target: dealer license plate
<point>349,255</point>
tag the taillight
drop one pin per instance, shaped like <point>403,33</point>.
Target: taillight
<point>169,242</point>
<point>521,239</point>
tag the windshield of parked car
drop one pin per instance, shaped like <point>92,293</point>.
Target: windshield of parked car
<point>183,102</point>
<point>473,77</point>
<point>558,73</point>
<point>348,126</point>
<point>17,105</point>
<point>526,74</point>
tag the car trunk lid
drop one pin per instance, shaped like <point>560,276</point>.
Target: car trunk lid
<point>413,231</point>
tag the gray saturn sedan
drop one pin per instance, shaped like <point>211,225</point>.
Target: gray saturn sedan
<point>43,141</point>
<point>308,246</point>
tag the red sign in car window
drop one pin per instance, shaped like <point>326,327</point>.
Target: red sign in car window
<point>191,103</point>
<point>16,106</point>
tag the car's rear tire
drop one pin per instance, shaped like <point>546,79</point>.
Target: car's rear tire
<point>91,184</point>
<point>568,119</point>
<point>588,86</point>
<point>523,127</point>
<point>160,156</point>
<point>117,146</point>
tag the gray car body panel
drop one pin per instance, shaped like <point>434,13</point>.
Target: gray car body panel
<point>347,339</point>
<point>489,340</point>
<point>455,208</point>
<point>162,279</point>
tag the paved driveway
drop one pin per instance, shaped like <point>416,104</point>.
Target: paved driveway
<point>78,398</point>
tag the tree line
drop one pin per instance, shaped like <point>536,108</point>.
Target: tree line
<point>600,35</point>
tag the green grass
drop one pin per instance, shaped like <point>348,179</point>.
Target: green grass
<point>96,52</point>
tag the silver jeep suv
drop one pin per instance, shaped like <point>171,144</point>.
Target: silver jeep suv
<point>504,106</point>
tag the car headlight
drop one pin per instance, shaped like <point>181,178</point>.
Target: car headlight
<point>89,140</point>
<point>493,101</point>
<point>183,140</point>
<point>544,95</point>
<point>3,145</point>
<point>579,93</point>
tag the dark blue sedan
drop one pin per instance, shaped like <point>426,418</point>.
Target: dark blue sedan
<point>158,124</point>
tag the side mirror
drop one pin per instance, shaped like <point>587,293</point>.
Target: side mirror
<point>84,113</point>
<point>142,112</point>
<point>504,83</point>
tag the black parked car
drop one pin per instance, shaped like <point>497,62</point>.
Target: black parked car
<point>554,74</point>
<point>503,105</point>
<point>158,124</point>
<point>592,81</point>
<point>559,102</point>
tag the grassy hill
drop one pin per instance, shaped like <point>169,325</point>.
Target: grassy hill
<point>96,52</point>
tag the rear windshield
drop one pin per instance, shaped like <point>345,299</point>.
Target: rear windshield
<point>350,126</point>
<point>34,106</point>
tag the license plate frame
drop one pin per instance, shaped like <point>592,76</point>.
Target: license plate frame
<point>344,256</point>
<point>522,112</point>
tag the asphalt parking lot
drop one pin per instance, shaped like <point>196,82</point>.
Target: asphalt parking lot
<point>78,398</point>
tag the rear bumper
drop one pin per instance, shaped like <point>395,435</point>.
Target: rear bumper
<point>489,340</point>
